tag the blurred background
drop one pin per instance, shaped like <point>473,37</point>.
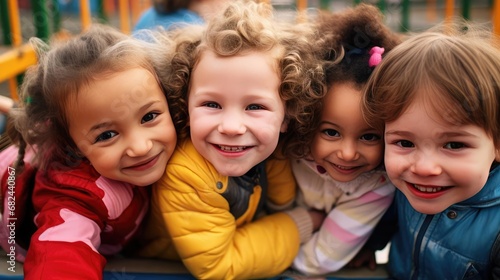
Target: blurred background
<point>58,19</point>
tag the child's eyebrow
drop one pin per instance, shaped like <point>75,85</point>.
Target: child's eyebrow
<point>457,134</point>
<point>398,133</point>
<point>108,124</point>
<point>446,134</point>
<point>328,123</point>
<point>99,126</point>
<point>149,104</point>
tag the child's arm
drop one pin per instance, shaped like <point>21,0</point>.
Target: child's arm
<point>66,241</point>
<point>78,211</point>
<point>378,240</point>
<point>344,232</point>
<point>282,188</point>
<point>205,233</point>
<point>281,195</point>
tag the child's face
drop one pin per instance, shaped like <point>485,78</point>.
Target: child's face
<point>122,125</point>
<point>345,145</point>
<point>433,163</point>
<point>235,111</point>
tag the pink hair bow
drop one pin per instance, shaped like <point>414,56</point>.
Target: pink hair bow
<point>375,56</point>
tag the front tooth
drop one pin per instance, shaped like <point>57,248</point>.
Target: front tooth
<point>344,168</point>
<point>232,149</point>
<point>424,189</point>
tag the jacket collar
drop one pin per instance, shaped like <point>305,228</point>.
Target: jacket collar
<point>489,194</point>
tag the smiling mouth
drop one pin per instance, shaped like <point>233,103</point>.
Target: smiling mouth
<point>345,167</point>
<point>429,189</point>
<point>144,163</point>
<point>232,149</point>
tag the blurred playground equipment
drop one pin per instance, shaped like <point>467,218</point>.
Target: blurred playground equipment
<point>47,18</point>
<point>57,19</point>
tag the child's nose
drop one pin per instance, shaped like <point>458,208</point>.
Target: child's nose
<point>139,146</point>
<point>348,150</point>
<point>425,164</point>
<point>232,124</point>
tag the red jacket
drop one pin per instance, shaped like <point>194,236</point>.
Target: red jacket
<point>80,216</point>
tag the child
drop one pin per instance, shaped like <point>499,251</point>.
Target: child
<point>342,175</point>
<point>251,80</point>
<point>97,118</point>
<point>438,97</point>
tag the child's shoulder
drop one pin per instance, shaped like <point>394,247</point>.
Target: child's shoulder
<point>186,154</point>
<point>78,180</point>
<point>187,160</point>
<point>77,173</point>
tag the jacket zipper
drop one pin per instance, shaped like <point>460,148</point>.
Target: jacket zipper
<point>418,244</point>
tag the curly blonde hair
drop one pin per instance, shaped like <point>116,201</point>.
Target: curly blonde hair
<point>247,26</point>
<point>63,69</point>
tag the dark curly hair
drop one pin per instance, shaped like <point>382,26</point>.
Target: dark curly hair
<point>344,40</point>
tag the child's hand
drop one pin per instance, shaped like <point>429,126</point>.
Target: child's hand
<point>364,257</point>
<point>317,218</point>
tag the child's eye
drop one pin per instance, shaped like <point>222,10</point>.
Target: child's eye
<point>454,145</point>
<point>405,144</point>
<point>370,137</point>
<point>330,132</point>
<point>213,105</point>
<point>106,135</point>
<point>149,117</point>
<point>255,107</point>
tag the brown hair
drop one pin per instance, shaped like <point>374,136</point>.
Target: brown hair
<point>458,69</point>
<point>176,68</point>
<point>62,70</point>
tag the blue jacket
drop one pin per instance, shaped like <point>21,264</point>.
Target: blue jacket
<point>454,244</point>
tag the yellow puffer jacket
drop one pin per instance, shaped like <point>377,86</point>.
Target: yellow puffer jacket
<point>199,212</point>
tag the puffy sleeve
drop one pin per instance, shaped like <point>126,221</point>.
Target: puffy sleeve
<point>205,234</point>
<point>281,185</point>
<point>346,229</point>
<point>70,220</point>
